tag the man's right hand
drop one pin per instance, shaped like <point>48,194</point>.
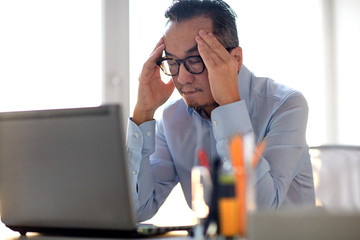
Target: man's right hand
<point>152,92</point>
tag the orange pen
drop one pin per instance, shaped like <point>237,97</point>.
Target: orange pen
<point>257,154</point>
<point>237,157</point>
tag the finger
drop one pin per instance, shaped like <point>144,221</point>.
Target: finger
<point>211,41</point>
<point>214,45</point>
<point>150,67</point>
<point>158,50</point>
<point>161,41</point>
<point>210,57</point>
<point>156,55</point>
<point>204,51</point>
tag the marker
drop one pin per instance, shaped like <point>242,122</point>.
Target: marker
<point>237,157</point>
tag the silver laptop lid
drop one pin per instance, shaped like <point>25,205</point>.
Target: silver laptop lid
<point>65,168</point>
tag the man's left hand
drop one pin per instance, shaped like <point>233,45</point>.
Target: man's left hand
<point>222,67</point>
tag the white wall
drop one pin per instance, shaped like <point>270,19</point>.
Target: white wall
<point>347,42</point>
<point>282,40</point>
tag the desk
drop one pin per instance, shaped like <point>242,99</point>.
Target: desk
<point>311,224</point>
<point>7,234</point>
<point>174,205</point>
<point>166,237</point>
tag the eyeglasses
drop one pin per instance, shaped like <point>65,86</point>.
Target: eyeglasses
<point>193,64</point>
<point>170,66</point>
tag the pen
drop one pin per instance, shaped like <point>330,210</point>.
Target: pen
<point>237,157</point>
<point>203,160</point>
<point>257,154</point>
<point>250,161</point>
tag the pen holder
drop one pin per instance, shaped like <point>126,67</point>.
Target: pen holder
<point>201,188</point>
<point>236,186</point>
<point>227,201</point>
<point>236,199</point>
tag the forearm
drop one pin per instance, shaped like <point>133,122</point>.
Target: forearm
<point>140,145</point>
<point>151,180</point>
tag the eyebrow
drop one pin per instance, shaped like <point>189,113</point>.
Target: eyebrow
<point>190,50</point>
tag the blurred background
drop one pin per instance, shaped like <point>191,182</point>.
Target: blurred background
<point>77,53</point>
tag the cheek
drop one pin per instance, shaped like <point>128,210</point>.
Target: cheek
<point>203,82</point>
<point>174,80</point>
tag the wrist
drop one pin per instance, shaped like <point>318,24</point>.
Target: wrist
<point>230,99</point>
<point>140,116</point>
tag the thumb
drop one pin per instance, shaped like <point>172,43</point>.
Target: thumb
<point>169,86</point>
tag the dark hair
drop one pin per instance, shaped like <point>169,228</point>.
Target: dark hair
<point>222,16</point>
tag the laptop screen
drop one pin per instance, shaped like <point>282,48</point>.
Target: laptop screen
<point>65,168</point>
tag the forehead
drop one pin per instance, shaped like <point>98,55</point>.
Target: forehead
<point>179,37</point>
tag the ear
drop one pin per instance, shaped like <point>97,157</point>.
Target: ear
<point>236,53</point>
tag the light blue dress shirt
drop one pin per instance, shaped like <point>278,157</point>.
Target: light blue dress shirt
<point>162,152</point>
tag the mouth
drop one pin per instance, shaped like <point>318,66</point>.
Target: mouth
<point>190,92</point>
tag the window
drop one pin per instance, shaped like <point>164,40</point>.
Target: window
<point>51,54</point>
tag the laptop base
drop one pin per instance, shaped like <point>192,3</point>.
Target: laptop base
<point>143,231</point>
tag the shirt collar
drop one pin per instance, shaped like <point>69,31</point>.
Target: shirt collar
<point>190,110</point>
<point>244,81</point>
<point>200,113</point>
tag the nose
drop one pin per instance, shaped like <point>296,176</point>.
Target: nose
<point>184,77</point>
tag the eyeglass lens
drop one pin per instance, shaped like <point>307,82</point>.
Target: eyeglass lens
<point>193,64</point>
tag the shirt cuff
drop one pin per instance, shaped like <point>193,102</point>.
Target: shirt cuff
<point>231,119</point>
<point>141,137</point>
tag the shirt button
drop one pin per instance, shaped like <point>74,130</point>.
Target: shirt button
<point>137,135</point>
<point>148,134</point>
<point>133,172</point>
<point>215,123</point>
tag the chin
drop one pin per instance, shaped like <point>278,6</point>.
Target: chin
<point>197,106</point>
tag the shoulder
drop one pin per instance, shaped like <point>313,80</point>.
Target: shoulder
<point>276,94</point>
<point>264,94</point>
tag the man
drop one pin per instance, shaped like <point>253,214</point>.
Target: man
<point>220,97</point>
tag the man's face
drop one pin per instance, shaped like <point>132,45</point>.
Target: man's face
<point>180,43</point>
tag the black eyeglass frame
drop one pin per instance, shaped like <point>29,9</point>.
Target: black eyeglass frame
<point>179,61</point>
<point>183,61</point>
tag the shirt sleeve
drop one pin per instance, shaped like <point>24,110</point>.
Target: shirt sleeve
<point>286,154</point>
<point>286,144</point>
<point>151,180</point>
<point>140,144</point>
<point>228,120</point>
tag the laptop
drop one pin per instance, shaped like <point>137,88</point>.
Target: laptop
<point>65,172</point>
